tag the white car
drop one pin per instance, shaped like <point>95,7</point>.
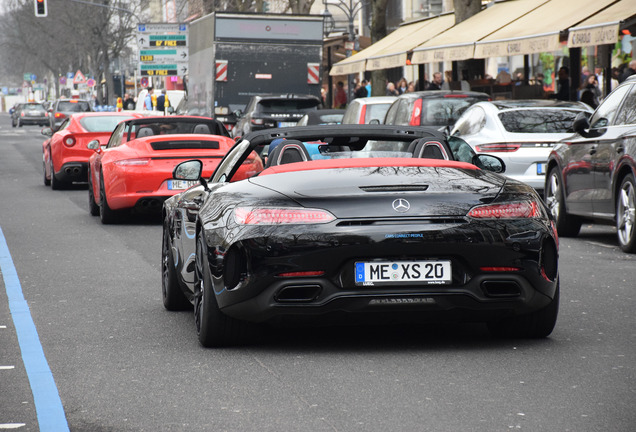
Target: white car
<point>521,132</point>
<point>364,110</point>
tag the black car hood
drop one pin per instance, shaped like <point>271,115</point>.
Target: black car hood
<point>371,192</point>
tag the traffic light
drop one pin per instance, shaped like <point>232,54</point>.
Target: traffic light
<point>40,8</point>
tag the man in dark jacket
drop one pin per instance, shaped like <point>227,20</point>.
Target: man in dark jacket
<point>629,71</point>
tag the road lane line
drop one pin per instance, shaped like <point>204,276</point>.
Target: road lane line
<point>46,397</point>
<point>7,367</point>
<point>11,425</point>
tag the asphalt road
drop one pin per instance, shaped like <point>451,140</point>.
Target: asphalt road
<point>120,362</point>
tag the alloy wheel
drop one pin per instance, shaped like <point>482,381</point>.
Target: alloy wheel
<point>626,212</point>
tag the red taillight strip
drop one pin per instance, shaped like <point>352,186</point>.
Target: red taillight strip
<point>513,210</point>
<point>302,274</point>
<point>278,216</point>
<point>417,112</point>
<point>499,269</point>
<point>502,147</point>
<point>363,114</point>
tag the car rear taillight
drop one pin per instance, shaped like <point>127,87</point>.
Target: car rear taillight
<point>510,210</point>
<point>499,269</point>
<point>456,96</point>
<point>21,113</point>
<point>278,216</point>
<point>133,162</point>
<point>257,121</point>
<point>499,147</point>
<point>69,141</point>
<point>363,114</point>
<point>417,112</point>
<point>302,274</point>
<point>59,115</point>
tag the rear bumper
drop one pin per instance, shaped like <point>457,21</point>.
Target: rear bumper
<point>73,172</point>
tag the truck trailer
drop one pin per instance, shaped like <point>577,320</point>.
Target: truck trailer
<point>234,56</point>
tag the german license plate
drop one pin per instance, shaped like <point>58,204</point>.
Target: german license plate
<point>400,272</point>
<point>540,168</point>
<point>181,184</point>
<point>286,124</point>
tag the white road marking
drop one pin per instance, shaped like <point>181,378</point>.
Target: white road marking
<point>11,425</point>
<point>6,367</point>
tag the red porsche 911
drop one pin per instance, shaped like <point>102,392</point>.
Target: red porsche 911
<point>65,155</point>
<point>134,170</point>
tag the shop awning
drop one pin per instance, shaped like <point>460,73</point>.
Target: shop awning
<point>602,28</point>
<point>458,43</point>
<point>357,62</point>
<point>395,55</point>
<point>539,30</point>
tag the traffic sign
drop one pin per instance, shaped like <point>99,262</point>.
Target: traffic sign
<point>168,41</point>
<point>79,78</point>
<point>154,56</point>
<point>162,28</point>
<point>90,82</point>
<point>163,69</point>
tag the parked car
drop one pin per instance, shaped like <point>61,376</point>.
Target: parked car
<point>324,116</point>
<point>14,111</point>
<point>437,108</point>
<point>273,111</point>
<point>592,174</point>
<point>30,113</point>
<point>63,108</point>
<point>521,132</point>
<point>134,169</point>
<point>367,110</point>
<point>348,235</point>
<point>65,153</point>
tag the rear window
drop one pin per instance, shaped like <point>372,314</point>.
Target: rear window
<point>376,112</point>
<point>73,106</point>
<point>444,111</point>
<point>101,123</point>
<point>544,120</point>
<point>33,107</point>
<point>268,106</point>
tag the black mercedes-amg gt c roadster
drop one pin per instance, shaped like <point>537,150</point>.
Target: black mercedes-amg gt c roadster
<point>355,224</point>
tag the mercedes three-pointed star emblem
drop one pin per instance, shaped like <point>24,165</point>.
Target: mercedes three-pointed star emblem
<point>401,205</point>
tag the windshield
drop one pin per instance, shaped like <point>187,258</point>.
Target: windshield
<point>101,123</point>
<point>73,106</point>
<point>538,121</point>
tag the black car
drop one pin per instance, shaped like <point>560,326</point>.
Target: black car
<point>358,223</point>
<point>274,111</point>
<point>30,113</point>
<point>14,111</point>
<point>63,108</point>
<point>591,175</point>
<point>437,108</point>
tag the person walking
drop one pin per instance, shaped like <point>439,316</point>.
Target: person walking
<point>148,99</point>
<point>563,84</point>
<point>340,99</point>
<point>162,101</point>
<point>629,71</point>
<point>436,83</point>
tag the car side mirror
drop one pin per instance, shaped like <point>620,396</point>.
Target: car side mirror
<point>374,121</point>
<point>47,131</point>
<point>581,124</point>
<point>170,110</point>
<point>94,145</point>
<point>190,170</point>
<point>489,163</point>
<point>238,113</point>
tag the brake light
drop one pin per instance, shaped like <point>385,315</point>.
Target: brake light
<point>257,121</point>
<point>500,147</point>
<point>59,115</point>
<point>278,216</point>
<point>512,210</point>
<point>133,162</point>
<point>417,112</point>
<point>21,113</point>
<point>456,96</point>
<point>363,114</point>
<point>302,274</point>
<point>499,269</point>
<point>69,141</point>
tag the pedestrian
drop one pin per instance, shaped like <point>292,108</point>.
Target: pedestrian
<point>360,92</point>
<point>391,90</point>
<point>367,85</point>
<point>590,92</point>
<point>436,82</point>
<point>129,102</point>
<point>563,84</point>
<point>629,71</point>
<point>402,86</point>
<point>162,101</point>
<point>148,99</point>
<point>410,88</point>
<point>340,99</point>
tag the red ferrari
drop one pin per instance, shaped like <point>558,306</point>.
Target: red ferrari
<point>65,153</point>
<point>134,170</point>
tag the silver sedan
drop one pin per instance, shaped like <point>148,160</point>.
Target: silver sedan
<point>521,132</point>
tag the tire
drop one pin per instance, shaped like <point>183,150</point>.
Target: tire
<point>535,325</point>
<point>626,214</point>
<point>567,225</point>
<point>47,181</point>
<point>13,122</point>
<point>214,328</point>
<point>173,297</point>
<point>93,208</point>
<point>106,214</point>
<point>55,183</point>
<point>20,123</point>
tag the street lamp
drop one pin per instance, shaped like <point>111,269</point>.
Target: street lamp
<point>350,8</point>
